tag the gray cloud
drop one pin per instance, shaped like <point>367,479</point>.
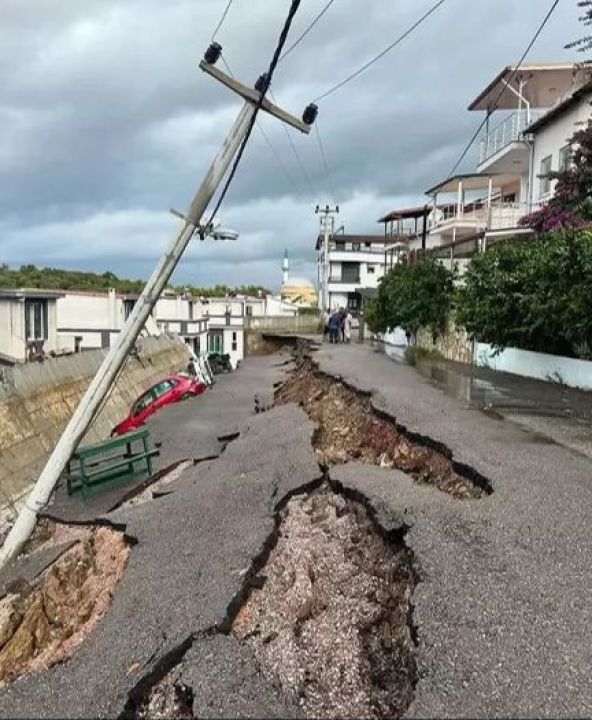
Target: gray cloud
<point>107,122</point>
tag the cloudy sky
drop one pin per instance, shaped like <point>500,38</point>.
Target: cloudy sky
<point>107,122</point>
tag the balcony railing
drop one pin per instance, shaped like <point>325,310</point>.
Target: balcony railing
<point>345,281</point>
<point>508,131</point>
<point>499,216</point>
<point>358,249</point>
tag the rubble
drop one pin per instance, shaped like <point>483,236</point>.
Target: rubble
<point>330,620</point>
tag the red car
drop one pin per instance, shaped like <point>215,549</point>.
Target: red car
<point>168,391</point>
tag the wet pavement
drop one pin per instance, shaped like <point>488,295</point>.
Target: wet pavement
<point>554,412</point>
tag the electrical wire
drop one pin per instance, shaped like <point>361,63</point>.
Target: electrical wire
<point>380,55</point>
<point>301,165</point>
<point>222,19</point>
<point>325,163</point>
<point>267,140</point>
<point>504,89</point>
<point>268,77</point>
<point>308,29</point>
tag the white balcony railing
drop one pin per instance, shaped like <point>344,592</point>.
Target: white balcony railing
<point>508,131</point>
<point>500,216</point>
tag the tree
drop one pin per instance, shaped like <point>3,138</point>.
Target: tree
<point>412,296</point>
<point>585,43</point>
<point>532,295</point>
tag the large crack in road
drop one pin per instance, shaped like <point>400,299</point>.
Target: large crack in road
<point>349,428</point>
<point>331,620</point>
<point>43,622</point>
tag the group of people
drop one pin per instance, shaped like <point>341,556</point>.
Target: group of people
<point>338,326</point>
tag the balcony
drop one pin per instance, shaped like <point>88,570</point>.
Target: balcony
<point>477,217</point>
<point>510,130</point>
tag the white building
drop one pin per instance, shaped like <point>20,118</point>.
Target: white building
<point>28,326</point>
<point>351,264</point>
<point>531,114</point>
<point>87,320</point>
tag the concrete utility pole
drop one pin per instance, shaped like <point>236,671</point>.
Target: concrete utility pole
<point>327,226</point>
<point>108,372</point>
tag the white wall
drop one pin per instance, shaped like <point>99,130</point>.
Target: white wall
<point>554,136</point>
<point>12,328</point>
<point>569,371</point>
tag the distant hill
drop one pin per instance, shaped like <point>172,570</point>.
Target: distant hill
<point>30,276</point>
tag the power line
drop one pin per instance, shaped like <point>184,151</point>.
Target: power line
<point>305,175</point>
<point>308,29</point>
<point>222,19</point>
<point>325,163</point>
<point>265,87</point>
<point>267,139</point>
<point>380,55</point>
<point>503,90</point>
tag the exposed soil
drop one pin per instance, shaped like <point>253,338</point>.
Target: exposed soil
<point>42,623</point>
<point>330,623</point>
<point>348,428</point>
<point>167,699</point>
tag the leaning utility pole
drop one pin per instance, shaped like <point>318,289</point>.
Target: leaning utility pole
<point>113,362</point>
<point>327,227</point>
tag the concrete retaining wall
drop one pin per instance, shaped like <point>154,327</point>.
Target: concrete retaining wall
<point>37,400</point>
<point>454,344</point>
<point>256,327</point>
<point>568,371</point>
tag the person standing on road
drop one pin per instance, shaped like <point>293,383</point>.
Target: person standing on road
<point>347,325</point>
<point>342,314</point>
<point>334,322</point>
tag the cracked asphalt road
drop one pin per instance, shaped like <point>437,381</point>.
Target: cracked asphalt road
<point>502,608</point>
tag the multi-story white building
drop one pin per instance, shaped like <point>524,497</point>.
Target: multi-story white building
<point>531,113</point>
<point>88,320</point>
<point>351,264</point>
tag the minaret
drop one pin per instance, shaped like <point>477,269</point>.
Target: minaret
<point>286,268</point>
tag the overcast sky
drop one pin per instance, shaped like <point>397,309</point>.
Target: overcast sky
<point>107,122</point>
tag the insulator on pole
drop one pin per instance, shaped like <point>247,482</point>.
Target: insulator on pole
<point>212,54</point>
<point>262,83</point>
<point>310,114</point>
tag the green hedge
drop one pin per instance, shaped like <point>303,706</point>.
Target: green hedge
<point>532,295</point>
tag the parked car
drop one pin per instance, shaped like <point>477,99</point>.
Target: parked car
<point>168,391</point>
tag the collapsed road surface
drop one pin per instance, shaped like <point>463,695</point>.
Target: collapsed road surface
<point>291,577</point>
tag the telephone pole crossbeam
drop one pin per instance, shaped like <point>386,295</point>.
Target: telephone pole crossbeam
<point>108,372</point>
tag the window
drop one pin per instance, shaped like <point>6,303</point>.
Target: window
<point>565,158</point>
<point>546,165</point>
<point>371,270</point>
<point>215,341</point>
<point>162,388</point>
<point>356,247</point>
<point>36,319</point>
<point>249,310</point>
<point>128,306</point>
<point>340,244</point>
<point>234,342</point>
<point>191,309</point>
<point>350,272</point>
<point>143,402</point>
<point>367,245</point>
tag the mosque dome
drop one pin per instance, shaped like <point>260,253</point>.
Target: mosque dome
<point>300,291</point>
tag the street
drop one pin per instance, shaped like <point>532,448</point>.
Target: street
<point>492,615</point>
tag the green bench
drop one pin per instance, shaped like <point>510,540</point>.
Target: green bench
<point>105,465</point>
